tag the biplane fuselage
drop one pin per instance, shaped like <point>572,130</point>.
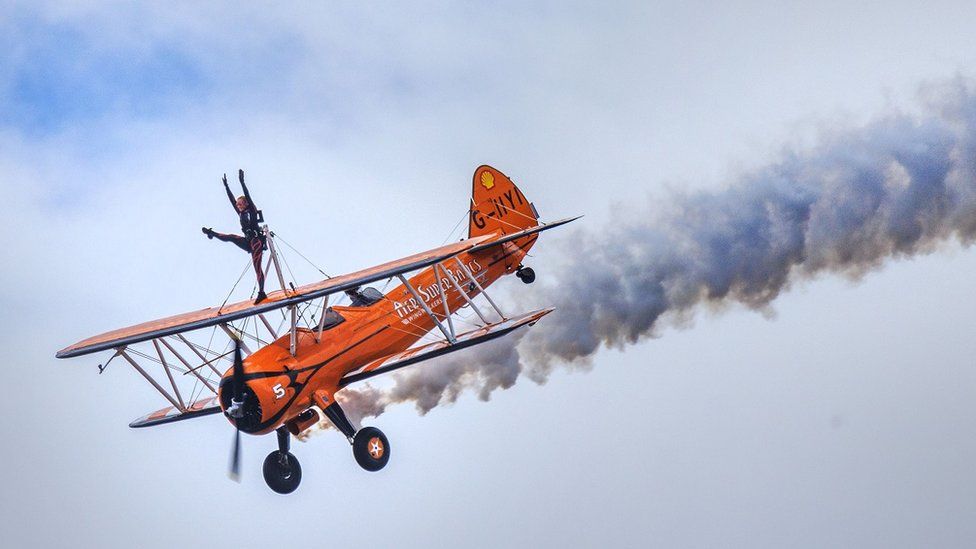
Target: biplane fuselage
<point>287,385</point>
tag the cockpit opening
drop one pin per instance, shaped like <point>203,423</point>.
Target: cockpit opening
<point>364,297</point>
<point>332,319</point>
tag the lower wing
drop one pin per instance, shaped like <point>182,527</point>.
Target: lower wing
<point>438,348</point>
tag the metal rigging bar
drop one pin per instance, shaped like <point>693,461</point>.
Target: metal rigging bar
<point>191,369</point>
<point>169,374</point>
<point>293,337</point>
<point>447,309</point>
<point>465,296</point>
<point>148,377</point>
<point>480,288</point>
<point>206,361</point>
<point>424,306</point>
<point>274,257</point>
<point>294,329</point>
<point>236,337</point>
<point>318,335</point>
<point>274,334</point>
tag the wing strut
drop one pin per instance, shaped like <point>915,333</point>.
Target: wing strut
<point>199,354</point>
<point>169,374</point>
<point>274,258</point>
<point>448,335</point>
<point>467,298</point>
<point>447,310</point>
<point>236,337</point>
<point>294,329</point>
<point>293,308</point>
<point>190,369</point>
<point>480,288</point>
<point>274,334</point>
<point>318,335</point>
<point>149,378</point>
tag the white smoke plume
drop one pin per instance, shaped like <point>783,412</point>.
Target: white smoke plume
<point>898,186</point>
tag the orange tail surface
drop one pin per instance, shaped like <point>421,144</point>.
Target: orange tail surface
<point>497,205</point>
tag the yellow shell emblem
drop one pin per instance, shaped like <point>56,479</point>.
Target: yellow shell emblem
<point>487,180</point>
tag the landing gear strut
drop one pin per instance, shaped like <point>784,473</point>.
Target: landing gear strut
<point>370,446</point>
<point>282,471</point>
<point>525,274</point>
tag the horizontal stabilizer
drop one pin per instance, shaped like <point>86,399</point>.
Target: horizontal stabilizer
<point>200,408</point>
<point>438,348</point>
<point>523,233</point>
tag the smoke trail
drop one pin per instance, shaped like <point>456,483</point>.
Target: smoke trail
<point>899,186</point>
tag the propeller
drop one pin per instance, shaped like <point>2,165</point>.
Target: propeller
<point>236,411</point>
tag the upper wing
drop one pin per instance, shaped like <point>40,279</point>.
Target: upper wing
<point>438,348</point>
<point>276,300</point>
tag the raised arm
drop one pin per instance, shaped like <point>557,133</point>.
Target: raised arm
<point>240,175</point>
<point>230,195</point>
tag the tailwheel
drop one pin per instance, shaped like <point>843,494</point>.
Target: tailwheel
<point>282,472</point>
<point>371,448</point>
<point>525,274</point>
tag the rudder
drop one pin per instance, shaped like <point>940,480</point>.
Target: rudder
<point>497,205</point>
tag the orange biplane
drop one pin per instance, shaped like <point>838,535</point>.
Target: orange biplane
<point>290,381</point>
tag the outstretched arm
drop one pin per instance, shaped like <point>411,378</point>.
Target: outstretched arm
<point>230,195</point>
<point>240,175</point>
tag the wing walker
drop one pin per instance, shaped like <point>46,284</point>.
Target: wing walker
<point>277,365</point>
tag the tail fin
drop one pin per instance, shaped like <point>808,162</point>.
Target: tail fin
<point>497,205</point>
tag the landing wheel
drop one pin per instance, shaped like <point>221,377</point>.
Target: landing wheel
<point>525,274</point>
<point>282,472</point>
<point>371,448</point>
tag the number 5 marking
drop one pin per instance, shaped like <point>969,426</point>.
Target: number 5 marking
<point>279,391</point>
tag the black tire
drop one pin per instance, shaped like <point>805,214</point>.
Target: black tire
<point>371,448</point>
<point>526,275</point>
<point>282,472</point>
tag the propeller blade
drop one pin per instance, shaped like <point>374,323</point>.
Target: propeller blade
<point>235,458</point>
<point>238,375</point>
<point>234,471</point>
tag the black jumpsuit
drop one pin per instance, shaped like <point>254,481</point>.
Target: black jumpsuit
<point>253,241</point>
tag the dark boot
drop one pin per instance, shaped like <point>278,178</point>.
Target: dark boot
<point>261,297</point>
<point>209,232</point>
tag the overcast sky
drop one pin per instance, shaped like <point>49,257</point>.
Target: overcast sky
<point>844,417</point>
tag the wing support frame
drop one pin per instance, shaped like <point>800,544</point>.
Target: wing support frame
<point>321,327</point>
<point>264,320</point>
<point>169,374</point>
<point>149,378</point>
<point>413,291</point>
<point>190,369</point>
<point>439,276</point>
<point>293,337</point>
<point>481,289</point>
<point>466,297</point>
<point>234,335</point>
<point>206,362</point>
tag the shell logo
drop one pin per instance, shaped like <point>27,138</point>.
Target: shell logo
<point>487,180</point>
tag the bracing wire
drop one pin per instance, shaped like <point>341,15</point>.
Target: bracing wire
<point>301,313</point>
<point>231,292</point>
<point>285,242</point>
<point>456,225</point>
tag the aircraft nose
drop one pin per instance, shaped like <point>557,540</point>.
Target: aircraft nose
<point>249,417</point>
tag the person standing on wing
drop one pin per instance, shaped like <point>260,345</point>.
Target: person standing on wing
<point>254,240</point>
